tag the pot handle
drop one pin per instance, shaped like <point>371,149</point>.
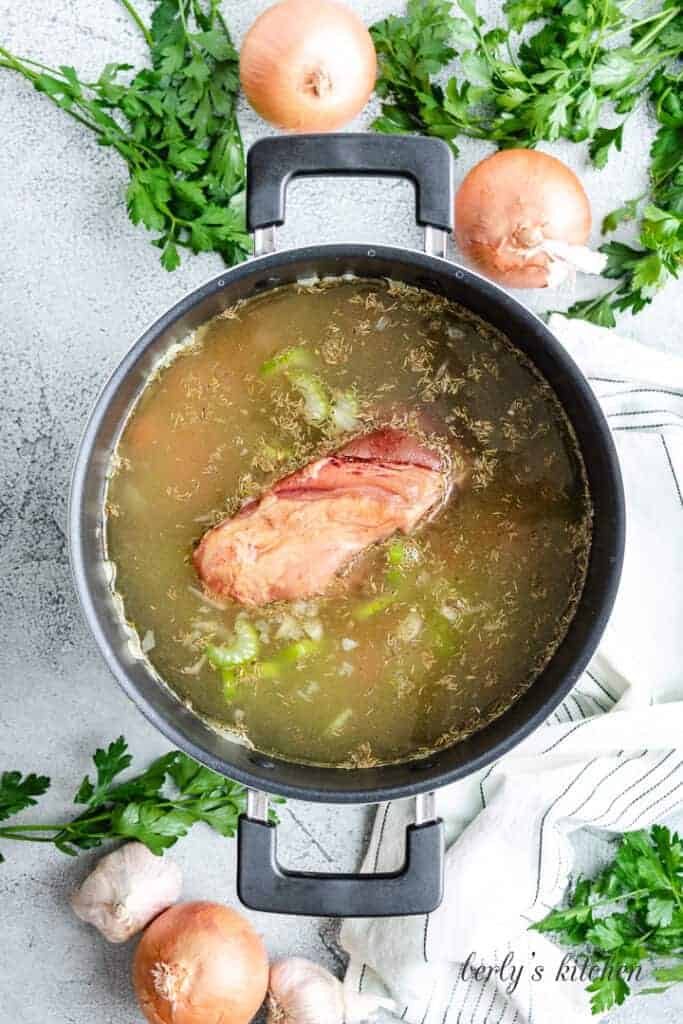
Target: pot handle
<point>263,884</point>
<point>273,162</point>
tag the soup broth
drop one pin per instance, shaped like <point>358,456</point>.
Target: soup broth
<point>422,639</point>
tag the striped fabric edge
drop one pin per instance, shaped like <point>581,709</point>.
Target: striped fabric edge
<point>652,789</point>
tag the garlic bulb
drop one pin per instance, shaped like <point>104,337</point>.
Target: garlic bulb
<point>301,992</point>
<point>126,890</point>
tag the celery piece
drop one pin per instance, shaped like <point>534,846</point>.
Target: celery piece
<point>401,554</point>
<point>396,552</point>
<point>394,577</point>
<point>314,394</point>
<point>287,656</point>
<point>373,607</point>
<point>298,358</point>
<point>244,648</point>
<point>296,651</point>
<point>229,677</point>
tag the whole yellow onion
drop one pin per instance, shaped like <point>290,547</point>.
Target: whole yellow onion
<point>199,963</point>
<point>308,66</point>
<point>523,219</point>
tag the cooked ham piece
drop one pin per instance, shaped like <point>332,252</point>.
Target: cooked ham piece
<point>290,542</point>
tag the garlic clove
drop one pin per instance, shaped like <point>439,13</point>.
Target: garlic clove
<point>301,992</point>
<point>126,890</point>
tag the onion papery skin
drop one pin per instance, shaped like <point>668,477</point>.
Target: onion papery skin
<point>509,205</point>
<point>308,66</point>
<point>199,963</point>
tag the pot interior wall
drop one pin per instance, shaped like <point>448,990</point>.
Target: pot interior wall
<point>92,573</point>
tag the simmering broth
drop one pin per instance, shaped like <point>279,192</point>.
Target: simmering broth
<point>422,638</point>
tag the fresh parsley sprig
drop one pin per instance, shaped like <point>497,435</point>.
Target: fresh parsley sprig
<point>643,271</point>
<point>156,807</point>
<point>587,59</point>
<point>173,123</point>
<point>631,913</point>
<point>554,85</point>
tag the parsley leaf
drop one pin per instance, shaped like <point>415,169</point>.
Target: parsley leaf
<point>170,257</point>
<point>641,272</point>
<point>597,311</point>
<point>660,911</point>
<point>632,912</point>
<point>156,807</point>
<point>521,12</point>
<point>601,143</point>
<point>18,792</point>
<point>109,763</point>
<point>174,124</point>
<point>616,69</point>
<point>607,992</point>
<point>627,212</point>
<point>150,824</point>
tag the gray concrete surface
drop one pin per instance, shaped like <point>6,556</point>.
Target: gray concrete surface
<point>78,283</point>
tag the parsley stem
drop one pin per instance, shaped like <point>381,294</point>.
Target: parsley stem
<point>175,220</point>
<point>84,818</point>
<point>139,22</point>
<point>515,63</point>
<point>30,828</point>
<point>658,58</point>
<point>631,25</point>
<point>620,897</point>
<point>33,63</point>
<point>26,839</point>
<point>596,46</point>
<point>183,18</point>
<point>235,129</point>
<point>17,64</point>
<point>662,21</point>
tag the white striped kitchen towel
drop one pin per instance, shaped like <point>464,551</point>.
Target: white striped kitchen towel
<point>609,760</point>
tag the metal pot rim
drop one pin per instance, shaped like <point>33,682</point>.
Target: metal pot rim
<point>377,783</point>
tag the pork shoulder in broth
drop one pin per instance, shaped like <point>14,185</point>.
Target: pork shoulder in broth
<point>292,541</point>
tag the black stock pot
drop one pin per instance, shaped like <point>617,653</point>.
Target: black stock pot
<point>262,883</point>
